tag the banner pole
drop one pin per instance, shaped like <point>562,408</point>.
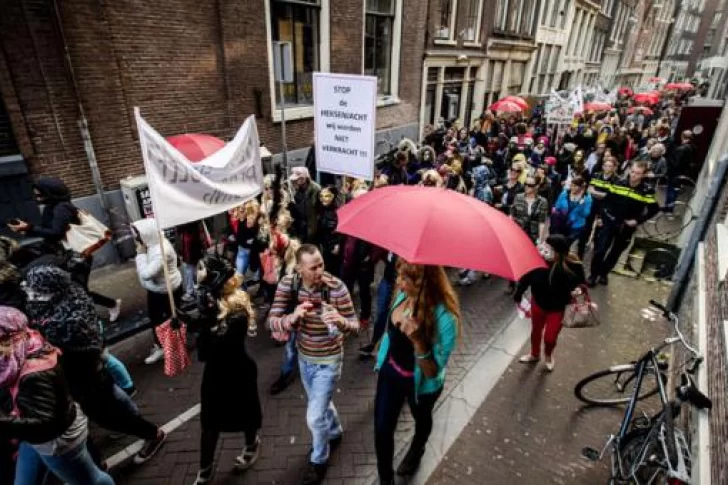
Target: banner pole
<point>160,233</point>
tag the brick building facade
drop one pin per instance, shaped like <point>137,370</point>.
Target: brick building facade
<point>191,66</point>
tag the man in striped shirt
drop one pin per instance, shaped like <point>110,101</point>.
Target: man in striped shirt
<point>322,315</point>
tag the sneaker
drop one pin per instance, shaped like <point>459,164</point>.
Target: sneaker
<point>486,276</point>
<point>334,443</point>
<point>411,462</point>
<point>115,311</point>
<point>603,280</point>
<point>465,281</point>
<point>150,448</point>
<point>315,474</point>
<point>249,456</point>
<point>463,273</point>
<point>528,359</point>
<point>188,298</point>
<point>549,364</point>
<point>282,383</point>
<point>367,351</point>
<point>203,476</point>
<point>156,355</point>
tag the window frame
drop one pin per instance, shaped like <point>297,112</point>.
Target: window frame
<point>395,46</point>
<point>450,39</point>
<point>303,111</point>
<point>478,26</point>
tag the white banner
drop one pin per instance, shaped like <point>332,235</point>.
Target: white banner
<point>576,99</point>
<point>345,108</point>
<point>183,191</point>
<point>559,111</point>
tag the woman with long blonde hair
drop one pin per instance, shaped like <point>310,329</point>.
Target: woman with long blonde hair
<point>422,329</point>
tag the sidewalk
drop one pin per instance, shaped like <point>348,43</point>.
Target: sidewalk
<point>531,429</point>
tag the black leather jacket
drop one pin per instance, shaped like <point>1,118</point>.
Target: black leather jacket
<point>45,405</point>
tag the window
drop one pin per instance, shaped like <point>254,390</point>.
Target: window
<point>378,43</point>
<point>8,146</point>
<point>298,22</point>
<point>563,13</point>
<point>446,27</point>
<point>471,10</point>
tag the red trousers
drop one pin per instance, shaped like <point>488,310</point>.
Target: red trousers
<point>546,323</point>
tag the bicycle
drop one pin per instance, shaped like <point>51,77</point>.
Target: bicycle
<point>646,450</point>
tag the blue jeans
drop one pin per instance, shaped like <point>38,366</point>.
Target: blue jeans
<point>74,467</point>
<point>384,297</point>
<point>242,261</point>
<point>290,355</point>
<point>319,382</point>
<point>189,271</point>
<point>117,370</point>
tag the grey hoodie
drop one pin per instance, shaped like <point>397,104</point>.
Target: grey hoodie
<point>150,264</point>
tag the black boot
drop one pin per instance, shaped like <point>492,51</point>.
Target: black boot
<point>282,383</point>
<point>411,461</point>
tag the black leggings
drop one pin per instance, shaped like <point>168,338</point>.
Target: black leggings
<point>159,310</point>
<point>392,391</point>
<point>208,443</point>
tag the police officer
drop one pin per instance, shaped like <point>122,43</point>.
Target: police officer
<point>627,204</point>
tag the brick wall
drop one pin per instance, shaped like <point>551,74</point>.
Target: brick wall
<point>190,65</point>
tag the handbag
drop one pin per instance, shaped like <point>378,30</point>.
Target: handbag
<point>88,236</point>
<point>269,267</point>
<point>174,345</point>
<point>582,311</point>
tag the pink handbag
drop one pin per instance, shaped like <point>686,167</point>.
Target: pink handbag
<point>582,311</point>
<point>174,344</point>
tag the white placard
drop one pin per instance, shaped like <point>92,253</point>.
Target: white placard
<point>345,108</point>
<point>183,191</point>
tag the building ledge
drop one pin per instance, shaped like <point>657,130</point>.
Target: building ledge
<point>445,42</point>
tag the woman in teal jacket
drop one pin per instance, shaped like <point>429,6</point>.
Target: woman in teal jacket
<point>571,211</point>
<point>421,332</point>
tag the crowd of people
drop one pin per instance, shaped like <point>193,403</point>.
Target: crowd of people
<point>590,184</point>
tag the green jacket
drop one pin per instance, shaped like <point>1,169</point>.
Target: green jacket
<point>445,339</point>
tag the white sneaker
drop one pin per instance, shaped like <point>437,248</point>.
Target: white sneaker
<point>527,359</point>
<point>187,298</point>
<point>156,355</point>
<point>115,311</point>
<point>465,282</point>
<point>550,364</point>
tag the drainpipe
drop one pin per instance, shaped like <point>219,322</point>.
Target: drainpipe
<point>82,121</point>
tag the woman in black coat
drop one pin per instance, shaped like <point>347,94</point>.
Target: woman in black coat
<point>328,239</point>
<point>229,391</point>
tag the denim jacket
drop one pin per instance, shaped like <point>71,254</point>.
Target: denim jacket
<point>445,338</point>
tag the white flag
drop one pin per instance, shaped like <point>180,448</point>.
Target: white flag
<point>183,192</point>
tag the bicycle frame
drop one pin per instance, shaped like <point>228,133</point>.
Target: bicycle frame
<point>647,361</point>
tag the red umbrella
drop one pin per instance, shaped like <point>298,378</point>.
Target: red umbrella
<point>625,91</point>
<point>644,109</point>
<point>506,106</point>
<point>685,86</point>
<point>597,106</point>
<point>516,99</point>
<point>428,225</point>
<point>647,98</point>
<point>196,147</point>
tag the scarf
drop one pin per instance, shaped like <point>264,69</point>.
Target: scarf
<point>17,344</point>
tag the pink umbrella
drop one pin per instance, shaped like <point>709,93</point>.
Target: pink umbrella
<point>516,99</point>
<point>433,226</point>
<point>597,106</point>
<point>506,106</point>
<point>196,147</point>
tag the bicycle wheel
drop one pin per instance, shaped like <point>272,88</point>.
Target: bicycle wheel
<point>671,224</point>
<point>614,386</point>
<point>642,458</point>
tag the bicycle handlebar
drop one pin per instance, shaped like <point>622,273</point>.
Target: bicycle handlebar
<point>660,306</point>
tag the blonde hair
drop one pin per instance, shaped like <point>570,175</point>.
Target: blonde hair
<point>433,288</point>
<point>251,208</point>
<point>289,257</point>
<point>432,178</point>
<point>284,221</point>
<point>236,300</point>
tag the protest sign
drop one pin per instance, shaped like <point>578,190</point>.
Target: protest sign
<point>559,111</point>
<point>182,191</point>
<point>345,109</point>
